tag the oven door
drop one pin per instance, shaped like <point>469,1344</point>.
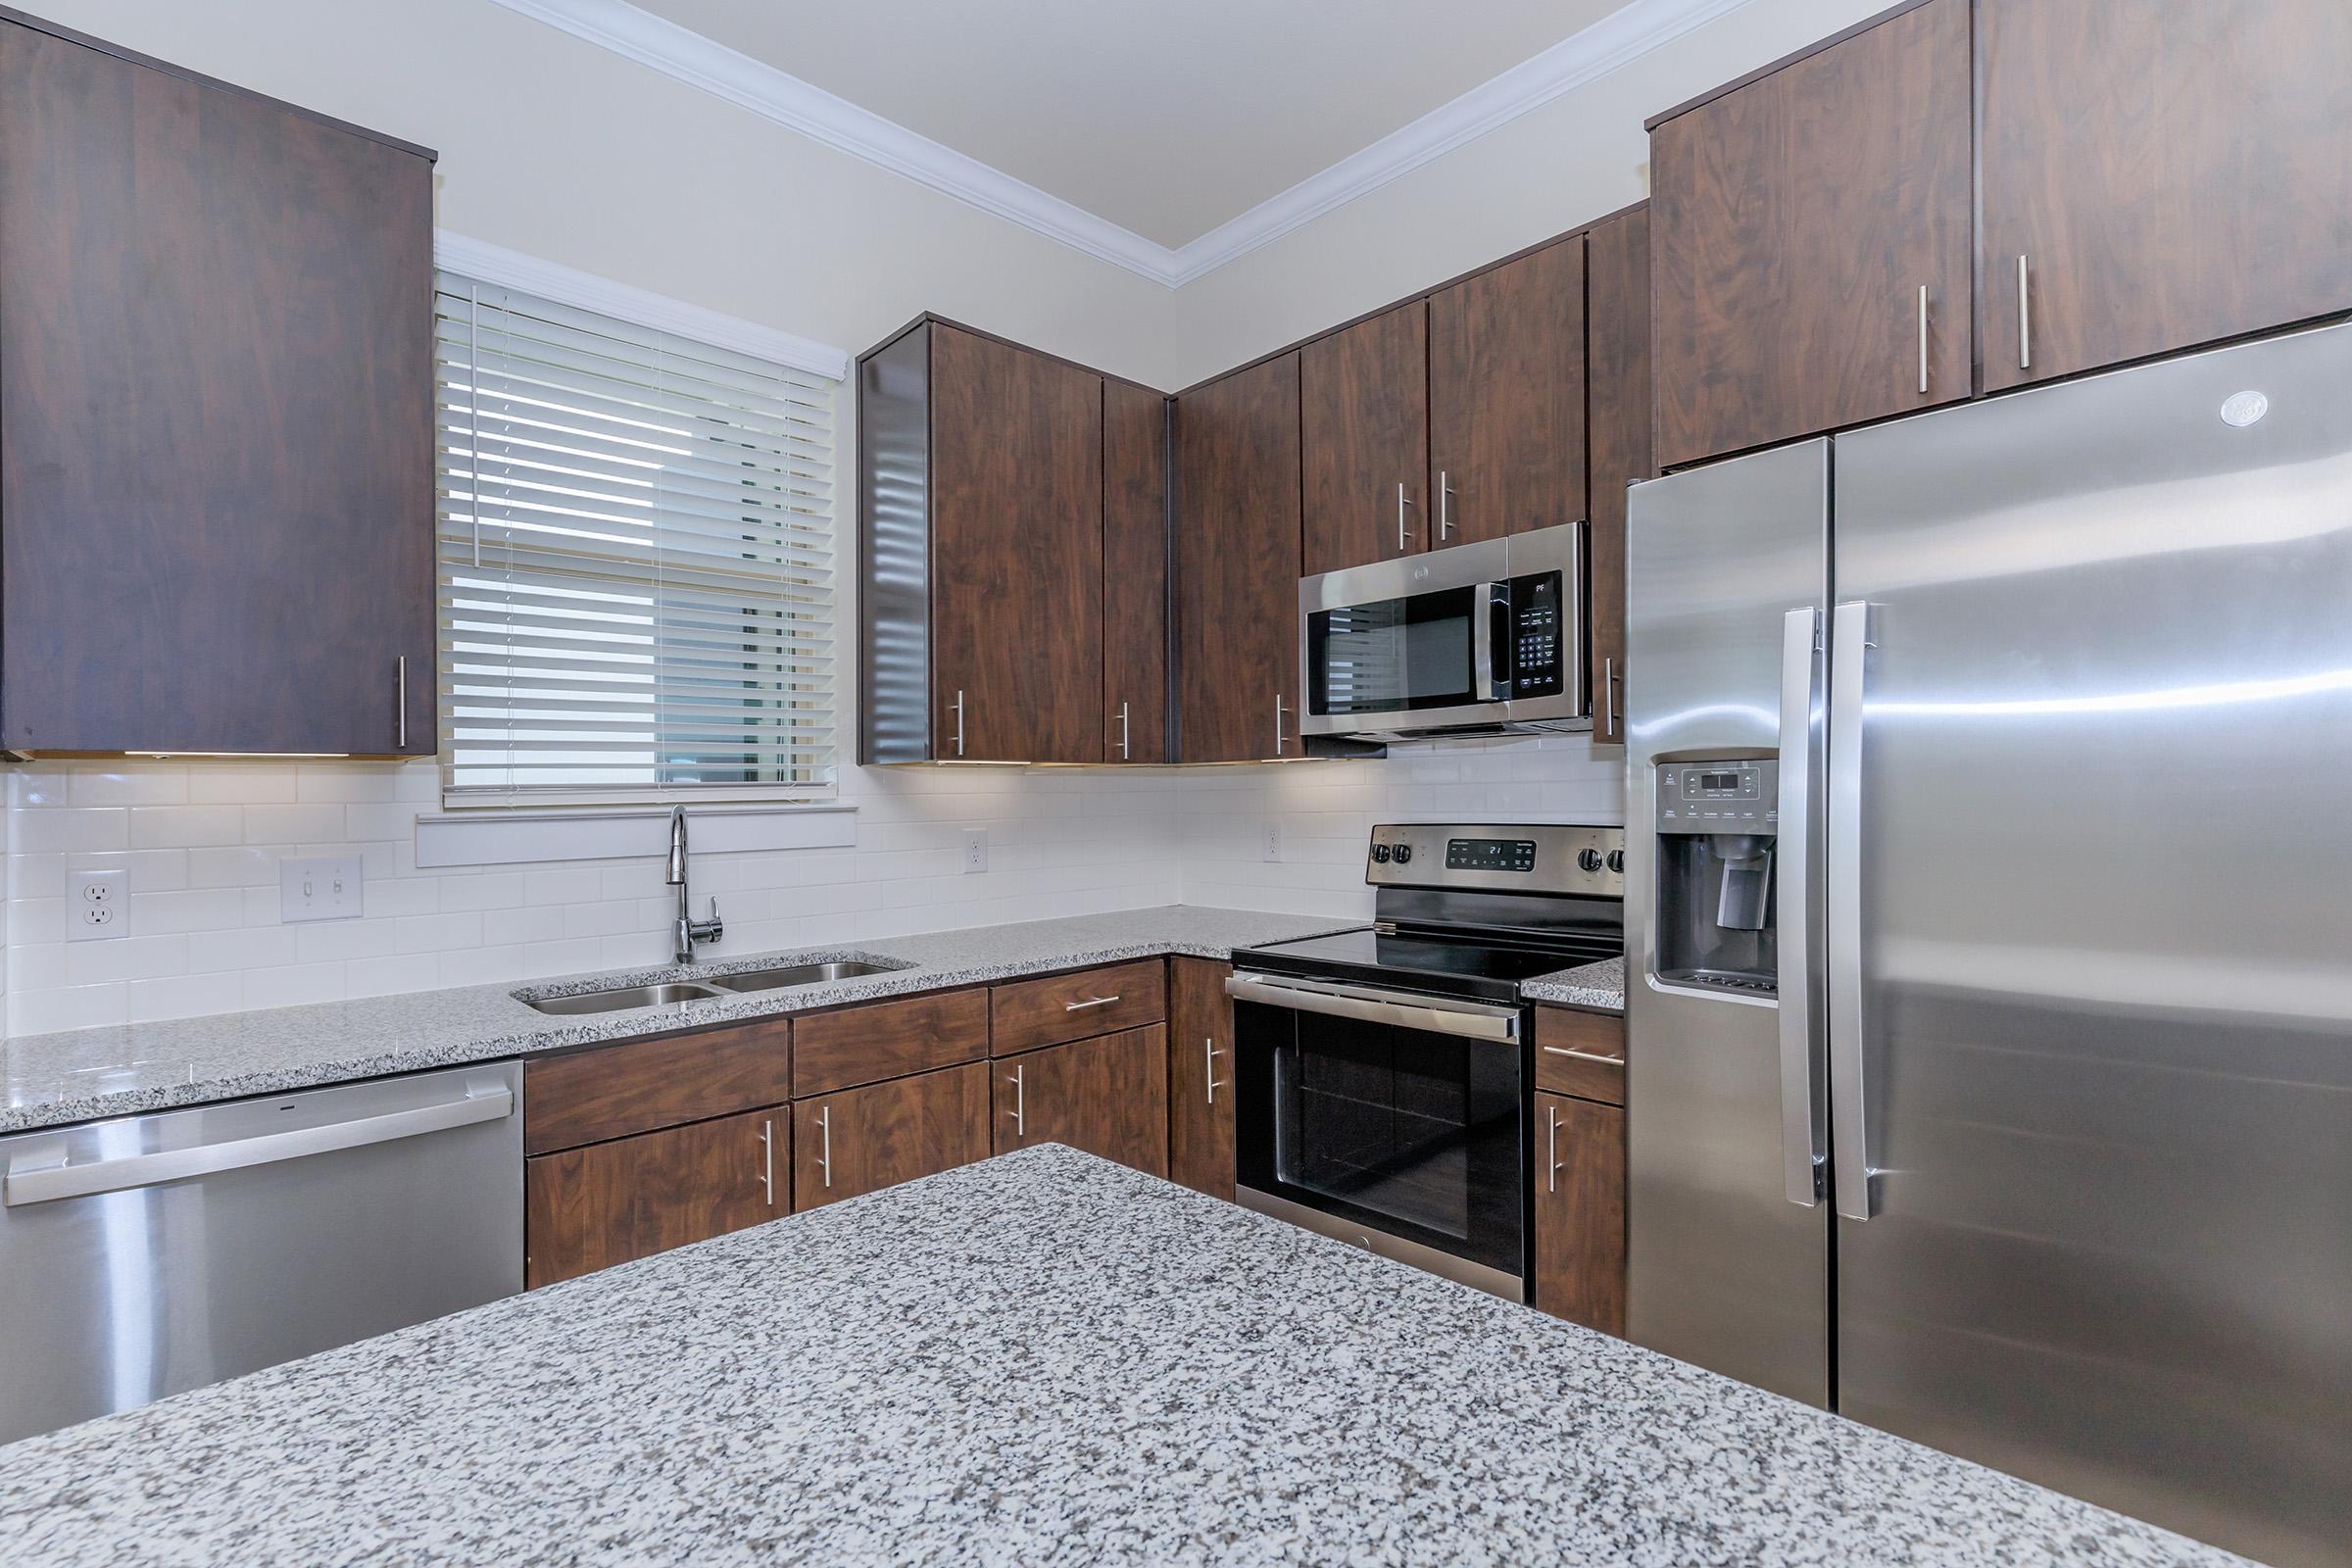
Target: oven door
<point>1388,1118</point>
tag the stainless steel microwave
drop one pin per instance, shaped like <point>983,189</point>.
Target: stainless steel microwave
<point>1475,639</point>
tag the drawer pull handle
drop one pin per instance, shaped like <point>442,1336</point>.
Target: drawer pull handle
<point>767,1162</point>
<point>825,1133</point>
<point>1091,1002</point>
<point>1020,1095</point>
<point>1585,1055</point>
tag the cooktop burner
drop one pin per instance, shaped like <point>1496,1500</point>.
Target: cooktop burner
<point>1458,965</point>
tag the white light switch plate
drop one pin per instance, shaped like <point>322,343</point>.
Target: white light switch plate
<point>98,904</point>
<point>325,887</point>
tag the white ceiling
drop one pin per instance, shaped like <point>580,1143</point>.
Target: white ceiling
<point>1168,120</point>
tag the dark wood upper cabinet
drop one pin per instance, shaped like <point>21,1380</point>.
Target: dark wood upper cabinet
<point>215,417</point>
<point>1364,433</point>
<point>1617,259</point>
<point>1794,220</point>
<point>2167,176</point>
<point>1108,1096</point>
<point>1237,565</point>
<point>1201,1076</point>
<point>589,1208</point>
<point>1016,589</point>
<point>1580,1212</point>
<point>1135,574</point>
<point>862,1139</point>
<point>1506,397</point>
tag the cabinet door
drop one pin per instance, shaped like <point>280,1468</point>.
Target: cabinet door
<point>1201,1076</point>
<point>1617,257</point>
<point>1580,1212</point>
<point>1364,395</point>
<point>1237,564</point>
<point>1135,574</point>
<point>1016,583</point>
<point>588,1208</point>
<point>1506,397</point>
<point>215,402</point>
<point>1108,1096</point>
<point>2165,174</point>
<point>862,1139</point>
<point>1794,221</point>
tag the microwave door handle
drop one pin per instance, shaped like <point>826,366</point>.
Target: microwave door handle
<point>1491,658</point>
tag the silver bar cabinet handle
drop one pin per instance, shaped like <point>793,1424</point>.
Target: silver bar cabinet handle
<point>1849,1123</point>
<point>1608,696</point>
<point>824,1142</point>
<point>1444,507</point>
<point>1923,338</point>
<point>1020,1128</point>
<point>959,723</point>
<point>1801,1149</point>
<point>1278,713</point>
<point>2024,318</point>
<point>1123,752</point>
<point>402,678</point>
<point>767,1162</point>
<point>1552,1176</point>
<point>1401,504</point>
<point>1210,1045</point>
<point>1585,1055</point>
<point>1091,1002</point>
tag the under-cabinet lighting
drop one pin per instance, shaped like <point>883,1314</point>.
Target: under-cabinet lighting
<point>286,755</point>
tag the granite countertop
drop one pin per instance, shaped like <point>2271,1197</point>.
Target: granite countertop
<point>1044,1359</point>
<point>84,1074</point>
<point>1599,986</point>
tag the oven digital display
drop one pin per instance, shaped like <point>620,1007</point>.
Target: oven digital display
<point>1490,854</point>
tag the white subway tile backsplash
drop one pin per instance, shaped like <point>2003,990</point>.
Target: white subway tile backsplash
<point>184,996</point>
<point>294,985</point>
<point>183,827</point>
<point>128,786</point>
<point>67,829</point>
<point>310,826</point>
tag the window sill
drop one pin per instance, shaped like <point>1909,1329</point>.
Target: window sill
<point>508,837</point>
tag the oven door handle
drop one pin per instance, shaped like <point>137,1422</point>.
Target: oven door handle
<point>1470,1019</point>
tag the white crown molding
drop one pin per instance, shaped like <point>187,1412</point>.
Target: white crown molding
<point>486,262</point>
<point>1609,45</point>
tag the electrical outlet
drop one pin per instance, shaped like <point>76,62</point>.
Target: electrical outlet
<point>1270,846</point>
<point>326,887</point>
<point>97,905</point>
<point>975,850</point>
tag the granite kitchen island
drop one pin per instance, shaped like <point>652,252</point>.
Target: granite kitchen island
<point>1044,1359</point>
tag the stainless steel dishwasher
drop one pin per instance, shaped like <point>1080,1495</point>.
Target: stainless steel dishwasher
<point>148,1255</point>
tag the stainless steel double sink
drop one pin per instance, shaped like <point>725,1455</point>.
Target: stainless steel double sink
<point>683,992</point>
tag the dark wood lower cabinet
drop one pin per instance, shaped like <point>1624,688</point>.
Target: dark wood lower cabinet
<point>863,1140</point>
<point>1580,1212</point>
<point>1108,1096</point>
<point>590,1208</point>
<point>1200,1077</point>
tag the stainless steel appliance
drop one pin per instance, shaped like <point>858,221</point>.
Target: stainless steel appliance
<point>1474,639</point>
<point>1381,1075</point>
<point>149,1254</point>
<point>2021,1120</point>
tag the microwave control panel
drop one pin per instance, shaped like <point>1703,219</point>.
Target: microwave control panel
<point>1741,797</point>
<point>1536,668</point>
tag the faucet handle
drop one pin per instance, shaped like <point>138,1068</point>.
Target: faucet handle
<point>714,909</point>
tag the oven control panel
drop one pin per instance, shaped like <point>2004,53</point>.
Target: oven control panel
<point>1529,858</point>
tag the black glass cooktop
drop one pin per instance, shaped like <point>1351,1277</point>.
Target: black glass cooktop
<point>1456,966</point>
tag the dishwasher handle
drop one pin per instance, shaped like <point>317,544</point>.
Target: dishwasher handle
<point>27,1182</point>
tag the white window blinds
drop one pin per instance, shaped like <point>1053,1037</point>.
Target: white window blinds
<point>636,559</point>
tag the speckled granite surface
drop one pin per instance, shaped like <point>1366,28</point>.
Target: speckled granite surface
<point>1044,1359</point>
<point>84,1074</point>
<point>1595,985</point>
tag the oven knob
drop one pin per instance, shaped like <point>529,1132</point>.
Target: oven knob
<point>1404,853</point>
<point>1380,854</point>
<point>1588,860</point>
<point>1617,862</point>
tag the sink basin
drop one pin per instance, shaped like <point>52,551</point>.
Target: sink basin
<point>796,974</point>
<point>623,998</point>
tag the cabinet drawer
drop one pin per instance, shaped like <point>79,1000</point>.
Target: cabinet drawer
<point>887,1040</point>
<point>642,1085</point>
<point>1071,1006</point>
<point>1581,1053</point>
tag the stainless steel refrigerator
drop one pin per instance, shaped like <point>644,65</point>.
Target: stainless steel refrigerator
<point>1989,914</point>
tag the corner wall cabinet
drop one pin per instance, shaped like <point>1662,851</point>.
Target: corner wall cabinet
<point>216,416</point>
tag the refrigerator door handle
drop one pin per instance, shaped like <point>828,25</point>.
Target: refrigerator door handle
<point>1850,641</point>
<point>1801,1148</point>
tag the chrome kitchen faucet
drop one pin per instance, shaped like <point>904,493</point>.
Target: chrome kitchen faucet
<point>688,930</point>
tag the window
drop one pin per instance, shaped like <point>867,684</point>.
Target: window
<point>636,559</point>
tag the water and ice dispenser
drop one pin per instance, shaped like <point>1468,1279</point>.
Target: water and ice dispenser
<point>1718,826</point>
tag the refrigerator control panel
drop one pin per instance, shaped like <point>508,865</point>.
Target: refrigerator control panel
<point>1742,797</point>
